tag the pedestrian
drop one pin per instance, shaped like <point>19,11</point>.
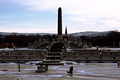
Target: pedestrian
<point>19,68</point>
<point>46,67</point>
<point>70,70</point>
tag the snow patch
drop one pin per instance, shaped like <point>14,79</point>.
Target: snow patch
<point>54,75</point>
<point>28,69</point>
<point>12,63</point>
<point>82,71</point>
<point>68,62</point>
<point>33,62</point>
<point>2,72</point>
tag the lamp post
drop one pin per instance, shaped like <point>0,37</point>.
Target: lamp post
<point>101,57</point>
<point>12,45</point>
<point>97,48</point>
<point>7,45</point>
<point>114,44</point>
<point>42,57</point>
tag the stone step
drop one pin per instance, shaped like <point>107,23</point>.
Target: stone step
<point>49,64</point>
<point>50,61</point>
<point>54,53</point>
<point>53,58</point>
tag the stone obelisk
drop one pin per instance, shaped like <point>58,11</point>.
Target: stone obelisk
<point>60,37</point>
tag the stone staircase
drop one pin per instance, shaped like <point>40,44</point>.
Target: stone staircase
<point>52,58</point>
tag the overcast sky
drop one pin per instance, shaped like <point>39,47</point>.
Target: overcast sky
<point>40,16</point>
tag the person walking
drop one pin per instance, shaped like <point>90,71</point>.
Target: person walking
<point>46,67</point>
<point>71,70</point>
<point>19,68</point>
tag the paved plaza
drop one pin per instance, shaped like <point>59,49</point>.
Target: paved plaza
<point>81,71</point>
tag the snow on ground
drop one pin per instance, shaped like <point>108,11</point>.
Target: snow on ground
<point>81,71</point>
<point>12,49</point>
<point>68,50</point>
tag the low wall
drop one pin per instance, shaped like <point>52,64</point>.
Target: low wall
<point>93,56</point>
<point>20,55</point>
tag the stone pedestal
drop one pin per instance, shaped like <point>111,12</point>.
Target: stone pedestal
<point>40,69</point>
